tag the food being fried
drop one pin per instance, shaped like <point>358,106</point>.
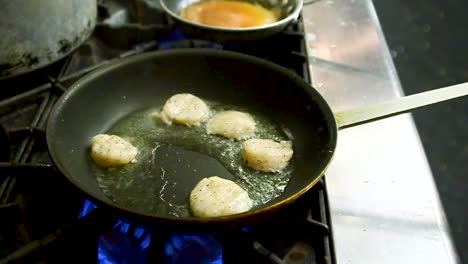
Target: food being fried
<point>215,196</point>
<point>112,151</point>
<point>267,155</point>
<point>185,109</point>
<point>231,124</point>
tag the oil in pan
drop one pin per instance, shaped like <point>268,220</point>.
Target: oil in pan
<point>172,159</point>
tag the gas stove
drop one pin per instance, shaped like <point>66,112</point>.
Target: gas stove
<point>45,220</point>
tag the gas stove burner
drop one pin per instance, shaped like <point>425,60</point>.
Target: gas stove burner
<point>130,242</point>
<point>177,40</point>
<point>190,43</point>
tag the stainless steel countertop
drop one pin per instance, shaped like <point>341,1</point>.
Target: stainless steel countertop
<point>383,201</point>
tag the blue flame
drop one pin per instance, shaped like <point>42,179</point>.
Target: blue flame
<point>122,246</point>
<point>174,36</point>
<point>177,40</point>
<point>127,243</point>
<point>87,208</point>
<point>193,248</point>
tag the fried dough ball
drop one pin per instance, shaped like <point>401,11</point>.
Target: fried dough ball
<point>112,151</point>
<point>185,109</point>
<point>215,196</point>
<point>267,155</point>
<point>231,124</point>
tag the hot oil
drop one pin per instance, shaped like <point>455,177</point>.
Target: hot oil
<point>173,158</point>
<point>231,14</point>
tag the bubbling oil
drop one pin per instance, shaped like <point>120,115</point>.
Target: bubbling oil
<point>230,14</point>
<point>173,158</point>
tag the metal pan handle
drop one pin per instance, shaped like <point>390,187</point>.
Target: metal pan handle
<point>398,106</point>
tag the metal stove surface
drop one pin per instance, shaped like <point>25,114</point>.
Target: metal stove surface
<point>383,202</point>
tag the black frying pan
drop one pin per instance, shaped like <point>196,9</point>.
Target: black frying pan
<point>96,102</point>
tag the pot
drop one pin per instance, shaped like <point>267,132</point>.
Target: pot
<point>36,33</point>
<point>289,12</point>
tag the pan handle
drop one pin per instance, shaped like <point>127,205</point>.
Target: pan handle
<point>374,112</point>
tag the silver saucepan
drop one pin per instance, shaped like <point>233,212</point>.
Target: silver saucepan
<point>289,11</point>
<point>36,33</point>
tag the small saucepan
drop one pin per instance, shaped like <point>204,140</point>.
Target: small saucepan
<point>288,10</point>
<point>96,102</point>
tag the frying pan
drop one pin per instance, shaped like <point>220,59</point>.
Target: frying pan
<point>97,101</point>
